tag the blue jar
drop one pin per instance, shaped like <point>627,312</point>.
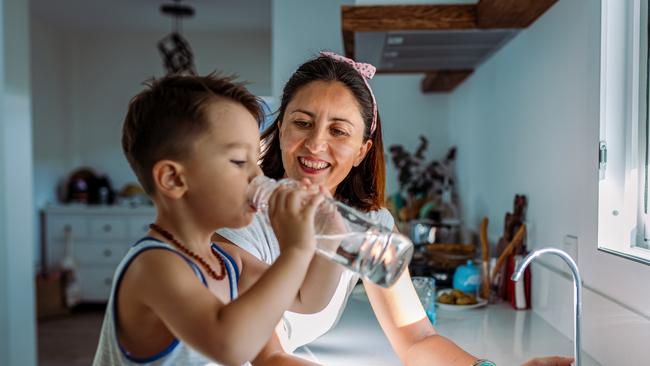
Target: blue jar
<point>467,278</point>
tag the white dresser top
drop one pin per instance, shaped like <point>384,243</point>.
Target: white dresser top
<point>495,332</point>
<point>99,209</point>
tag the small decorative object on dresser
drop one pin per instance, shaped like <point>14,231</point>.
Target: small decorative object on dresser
<point>95,238</point>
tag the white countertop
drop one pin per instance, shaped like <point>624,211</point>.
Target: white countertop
<point>496,332</point>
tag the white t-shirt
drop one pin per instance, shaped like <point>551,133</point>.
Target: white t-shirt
<point>297,329</point>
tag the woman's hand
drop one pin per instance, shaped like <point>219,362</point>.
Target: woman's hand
<point>550,361</point>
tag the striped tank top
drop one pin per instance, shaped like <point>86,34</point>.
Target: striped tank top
<point>111,352</point>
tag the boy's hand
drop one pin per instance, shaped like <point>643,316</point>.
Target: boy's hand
<point>291,213</point>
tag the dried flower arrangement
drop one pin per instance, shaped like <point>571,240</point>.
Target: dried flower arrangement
<point>426,188</point>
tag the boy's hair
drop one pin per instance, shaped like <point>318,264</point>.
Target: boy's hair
<point>164,119</point>
<point>363,188</point>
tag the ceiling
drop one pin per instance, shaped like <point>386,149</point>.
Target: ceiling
<point>144,15</point>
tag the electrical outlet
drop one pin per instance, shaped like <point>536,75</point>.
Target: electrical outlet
<point>571,246</point>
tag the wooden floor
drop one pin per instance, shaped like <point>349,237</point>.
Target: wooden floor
<point>70,340</point>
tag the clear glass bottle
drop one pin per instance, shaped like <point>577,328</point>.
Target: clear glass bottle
<point>347,236</point>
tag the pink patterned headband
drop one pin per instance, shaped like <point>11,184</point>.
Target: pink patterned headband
<point>367,71</point>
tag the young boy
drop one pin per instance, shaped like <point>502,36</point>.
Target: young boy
<point>193,143</point>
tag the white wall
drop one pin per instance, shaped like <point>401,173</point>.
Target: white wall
<point>527,122</point>
<point>297,35</point>
<point>4,291</point>
<point>17,326</point>
<point>405,112</point>
<point>83,81</point>
<point>50,111</point>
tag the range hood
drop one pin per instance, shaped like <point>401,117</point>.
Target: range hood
<point>445,42</point>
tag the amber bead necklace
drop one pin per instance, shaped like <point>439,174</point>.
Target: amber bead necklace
<point>167,235</point>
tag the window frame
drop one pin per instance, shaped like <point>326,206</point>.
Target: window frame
<point>623,222</point>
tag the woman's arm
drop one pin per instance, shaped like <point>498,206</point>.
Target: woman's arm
<point>408,329</point>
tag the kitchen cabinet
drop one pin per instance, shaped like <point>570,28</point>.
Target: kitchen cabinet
<point>97,238</point>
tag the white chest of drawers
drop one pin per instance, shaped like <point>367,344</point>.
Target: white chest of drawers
<point>99,236</point>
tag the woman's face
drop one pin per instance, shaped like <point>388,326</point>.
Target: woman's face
<point>321,134</point>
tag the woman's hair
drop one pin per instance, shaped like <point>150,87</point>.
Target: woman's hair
<point>363,187</point>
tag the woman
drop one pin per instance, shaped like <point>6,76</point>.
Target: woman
<point>328,131</point>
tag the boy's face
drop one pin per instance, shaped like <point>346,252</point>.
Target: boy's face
<point>222,164</point>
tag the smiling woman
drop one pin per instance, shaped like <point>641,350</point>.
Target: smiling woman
<point>319,142</point>
<point>328,130</point>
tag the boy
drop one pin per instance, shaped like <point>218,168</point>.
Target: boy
<point>193,143</point>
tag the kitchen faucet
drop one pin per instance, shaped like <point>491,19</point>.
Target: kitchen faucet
<point>577,287</point>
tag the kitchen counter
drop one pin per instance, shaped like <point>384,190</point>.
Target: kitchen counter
<point>496,332</point>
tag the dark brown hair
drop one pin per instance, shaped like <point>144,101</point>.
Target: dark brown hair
<point>363,187</point>
<point>165,118</point>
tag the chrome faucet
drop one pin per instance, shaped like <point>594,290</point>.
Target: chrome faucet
<point>577,287</point>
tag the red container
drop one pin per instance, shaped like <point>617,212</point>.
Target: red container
<point>518,293</point>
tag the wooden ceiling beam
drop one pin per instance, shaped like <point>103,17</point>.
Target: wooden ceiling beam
<point>486,14</point>
<point>443,81</point>
<point>348,44</point>
<point>382,18</point>
<point>510,13</point>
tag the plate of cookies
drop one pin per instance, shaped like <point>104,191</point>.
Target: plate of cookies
<point>457,300</point>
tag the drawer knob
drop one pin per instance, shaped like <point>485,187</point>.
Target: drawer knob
<point>107,228</point>
<point>108,253</point>
<point>107,281</point>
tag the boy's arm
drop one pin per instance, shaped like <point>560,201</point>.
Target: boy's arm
<point>230,333</point>
<point>323,276</point>
<point>316,290</point>
<point>319,286</point>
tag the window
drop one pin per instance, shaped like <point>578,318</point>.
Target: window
<point>624,151</point>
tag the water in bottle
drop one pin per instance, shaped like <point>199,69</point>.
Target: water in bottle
<point>347,236</point>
